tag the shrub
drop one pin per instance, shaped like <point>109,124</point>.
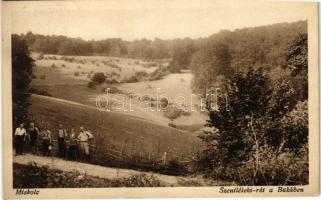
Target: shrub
<point>131,79</point>
<point>172,113</point>
<point>141,75</point>
<point>39,92</point>
<point>99,78</point>
<point>33,76</point>
<point>158,73</point>
<point>263,122</point>
<point>43,77</point>
<point>40,57</point>
<point>150,64</point>
<point>111,81</point>
<point>63,65</point>
<point>33,176</point>
<point>53,65</point>
<point>92,84</point>
<point>76,74</point>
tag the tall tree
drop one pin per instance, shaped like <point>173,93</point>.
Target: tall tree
<point>21,77</point>
<point>210,65</point>
<point>253,127</point>
<point>298,63</point>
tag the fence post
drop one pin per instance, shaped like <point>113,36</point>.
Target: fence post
<point>121,150</point>
<point>164,158</point>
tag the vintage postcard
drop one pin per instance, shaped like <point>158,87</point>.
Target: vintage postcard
<point>149,98</point>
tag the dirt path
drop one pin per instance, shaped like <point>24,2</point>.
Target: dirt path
<point>94,170</point>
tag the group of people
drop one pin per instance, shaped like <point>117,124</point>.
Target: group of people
<point>69,143</point>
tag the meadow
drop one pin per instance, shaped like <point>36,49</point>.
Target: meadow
<point>136,138</point>
<point>56,75</point>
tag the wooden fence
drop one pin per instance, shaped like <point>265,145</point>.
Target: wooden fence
<point>117,157</point>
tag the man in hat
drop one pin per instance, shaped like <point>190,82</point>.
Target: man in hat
<point>84,138</point>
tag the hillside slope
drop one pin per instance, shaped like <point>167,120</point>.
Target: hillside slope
<point>132,136</point>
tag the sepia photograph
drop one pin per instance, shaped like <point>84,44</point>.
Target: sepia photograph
<point>100,95</point>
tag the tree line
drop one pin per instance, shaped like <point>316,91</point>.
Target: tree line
<point>143,48</point>
<point>264,45</point>
<point>262,138</point>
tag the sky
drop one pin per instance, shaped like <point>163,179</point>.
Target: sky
<point>137,19</point>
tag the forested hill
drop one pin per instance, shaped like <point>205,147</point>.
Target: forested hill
<point>266,45</point>
<point>248,45</point>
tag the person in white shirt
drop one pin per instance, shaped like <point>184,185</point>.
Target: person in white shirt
<point>84,137</point>
<point>20,137</point>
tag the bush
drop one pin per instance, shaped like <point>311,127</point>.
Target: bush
<point>76,74</point>
<point>158,73</point>
<point>92,84</point>
<point>33,76</point>
<point>39,92</point>
<point>33,176</point>
<point>53,65</point>
<point>111,81</point>
<point>172,113</point>
<point>150,64</point>
<point>140,75</point>
<point>43,77</point>
<point>131,79</point>
<point>40,57</point>
<point>99,78</point>
<point>262,123</point>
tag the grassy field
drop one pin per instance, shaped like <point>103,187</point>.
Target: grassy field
<point>60,81</point>
<point>143,137</point>
<point>83,67</point>
<point>135,137</point>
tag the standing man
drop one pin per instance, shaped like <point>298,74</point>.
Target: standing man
<point>62,135</point>
<point>33,137</point>
<point>84,138</point>
<point>20,136</point>
<point>72,151</point>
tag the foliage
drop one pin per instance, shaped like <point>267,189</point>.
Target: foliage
<point>92,84</point>
<point>22,65</point>
<point>158,74</point>
<point>172,113</point>
<point>209,64</point>
<point>99,78</point>
<point>265,46</point>
<point>182,56</point>
<point>39,92</point>
<point>254,131</point>
<point>298,63</point>
<point>33,176</point>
